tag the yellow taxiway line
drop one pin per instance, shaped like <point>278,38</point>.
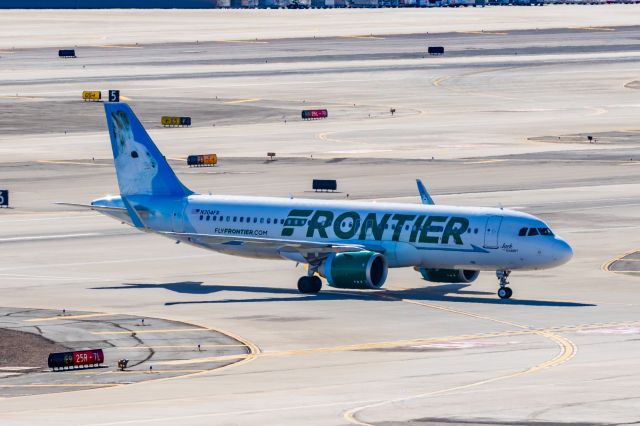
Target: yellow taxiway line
<point>594,28</point>
<point>65,317</point>
<point>567,350</point>
<point>242,101</point>
<point>548,333</point>
<point>606,266</point>
<point>166,330</point>
<point>194,347</point>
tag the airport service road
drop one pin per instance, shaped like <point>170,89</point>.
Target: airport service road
<point>501,128</point>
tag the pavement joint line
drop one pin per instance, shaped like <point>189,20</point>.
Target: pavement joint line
<point>118,46</point>
<point>485,32</point>
<point>369,37</point>
<point>73,163</point>
<point>244,41</point>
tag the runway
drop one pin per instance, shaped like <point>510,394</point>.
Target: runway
<point>481,126</point>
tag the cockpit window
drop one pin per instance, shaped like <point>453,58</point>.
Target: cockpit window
<point>532,232</point>
<point>523,232</point>
<point>545,231</point>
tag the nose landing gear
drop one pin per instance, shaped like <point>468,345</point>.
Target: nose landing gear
<point>504,292</point>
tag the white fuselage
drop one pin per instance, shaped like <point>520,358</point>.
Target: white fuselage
<point>429,236</point>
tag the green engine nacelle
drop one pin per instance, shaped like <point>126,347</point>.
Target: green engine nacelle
<point>361,270</point>
<point>449,275</point>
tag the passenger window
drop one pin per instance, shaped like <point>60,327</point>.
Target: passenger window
<point>281,221</point>
<point>213,218</point>
<point>255,220</point>
<point>228,218</point>
<point>235,218</point>
<point>523,232</point>
<point>208,217</point>
<point>532,232</point>
<point>262,220</point>
<point>475,231</point>
<point>241,219</point>
<point>268,220</point>
<point>201,216</point>
<point>248,220</point>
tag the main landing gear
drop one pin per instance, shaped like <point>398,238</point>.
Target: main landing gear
<point>309,285</point>
<point>504,292</point>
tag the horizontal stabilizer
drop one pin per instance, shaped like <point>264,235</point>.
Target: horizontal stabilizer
<point>92,207</point>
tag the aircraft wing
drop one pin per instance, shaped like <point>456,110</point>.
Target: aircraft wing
<point>307,249</point>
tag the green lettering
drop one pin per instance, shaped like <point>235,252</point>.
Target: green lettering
<point>320,221</point>
<point>424,234</point>
<point>290,222</point>
<point>400,221</point>
<point>452,231</point>
<point>377,228</point>
<point>349,233</point>
<point>416,229</point>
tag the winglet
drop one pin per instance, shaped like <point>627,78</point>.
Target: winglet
<point>424,195</point>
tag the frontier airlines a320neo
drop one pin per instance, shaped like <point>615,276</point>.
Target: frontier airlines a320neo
<point>350,244</point>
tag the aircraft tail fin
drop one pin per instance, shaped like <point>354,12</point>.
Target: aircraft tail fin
<point>140,166</point>
<point>424,195</point>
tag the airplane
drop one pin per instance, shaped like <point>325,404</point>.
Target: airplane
<point>350,244</point>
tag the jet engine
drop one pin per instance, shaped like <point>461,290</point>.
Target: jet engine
<point>357,270</point>
<point>449,275</point>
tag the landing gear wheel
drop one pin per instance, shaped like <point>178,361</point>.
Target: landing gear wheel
<point>309,285</point>
<point>505,293</point>
<point>316,284</point>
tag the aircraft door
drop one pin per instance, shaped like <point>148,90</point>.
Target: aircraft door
<point>491,230</point>
<point>177,219</point>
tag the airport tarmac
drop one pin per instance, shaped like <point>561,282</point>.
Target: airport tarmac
<point>482,126</point>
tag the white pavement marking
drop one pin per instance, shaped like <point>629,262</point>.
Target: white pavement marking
<point>48,237</point>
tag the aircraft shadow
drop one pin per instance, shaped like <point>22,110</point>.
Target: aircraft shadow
<point>198,287</point>
<point>455,293</point>
<point>440,293</point>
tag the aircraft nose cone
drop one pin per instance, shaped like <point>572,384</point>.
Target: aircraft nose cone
<point>563,251</point>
